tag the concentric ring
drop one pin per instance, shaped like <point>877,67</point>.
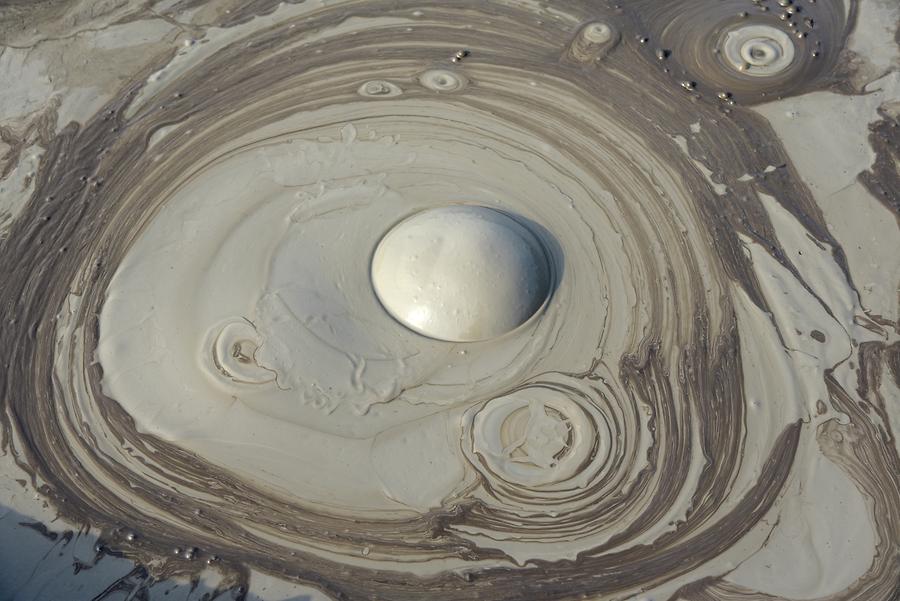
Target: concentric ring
<point>199,355</point>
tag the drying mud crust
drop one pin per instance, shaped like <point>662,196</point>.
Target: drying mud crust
<point>454,300</point>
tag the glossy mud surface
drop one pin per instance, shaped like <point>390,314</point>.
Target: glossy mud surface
<point>200,385</point>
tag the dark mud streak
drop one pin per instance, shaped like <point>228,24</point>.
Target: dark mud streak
<point>40,529</point>
<point>875,469</point>
<point>97,188</point>
<point>883,179</point>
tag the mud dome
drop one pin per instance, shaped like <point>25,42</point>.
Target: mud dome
<point>664,366</point>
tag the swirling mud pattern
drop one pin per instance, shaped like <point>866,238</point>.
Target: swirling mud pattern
<point>688,398</point>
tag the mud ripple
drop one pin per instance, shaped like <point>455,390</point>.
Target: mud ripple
<point>196,359</point>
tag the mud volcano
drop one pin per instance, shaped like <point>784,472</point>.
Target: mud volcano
<point>444,301</point>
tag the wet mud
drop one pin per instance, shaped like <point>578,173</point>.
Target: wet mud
<point>197,366</point>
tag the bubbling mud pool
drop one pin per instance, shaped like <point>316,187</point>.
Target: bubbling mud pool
<point>664,366</point>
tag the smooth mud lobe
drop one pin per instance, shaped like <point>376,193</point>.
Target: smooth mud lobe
<point>692,399</point>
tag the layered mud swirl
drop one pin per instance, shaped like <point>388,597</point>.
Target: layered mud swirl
<point>198,366</point>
